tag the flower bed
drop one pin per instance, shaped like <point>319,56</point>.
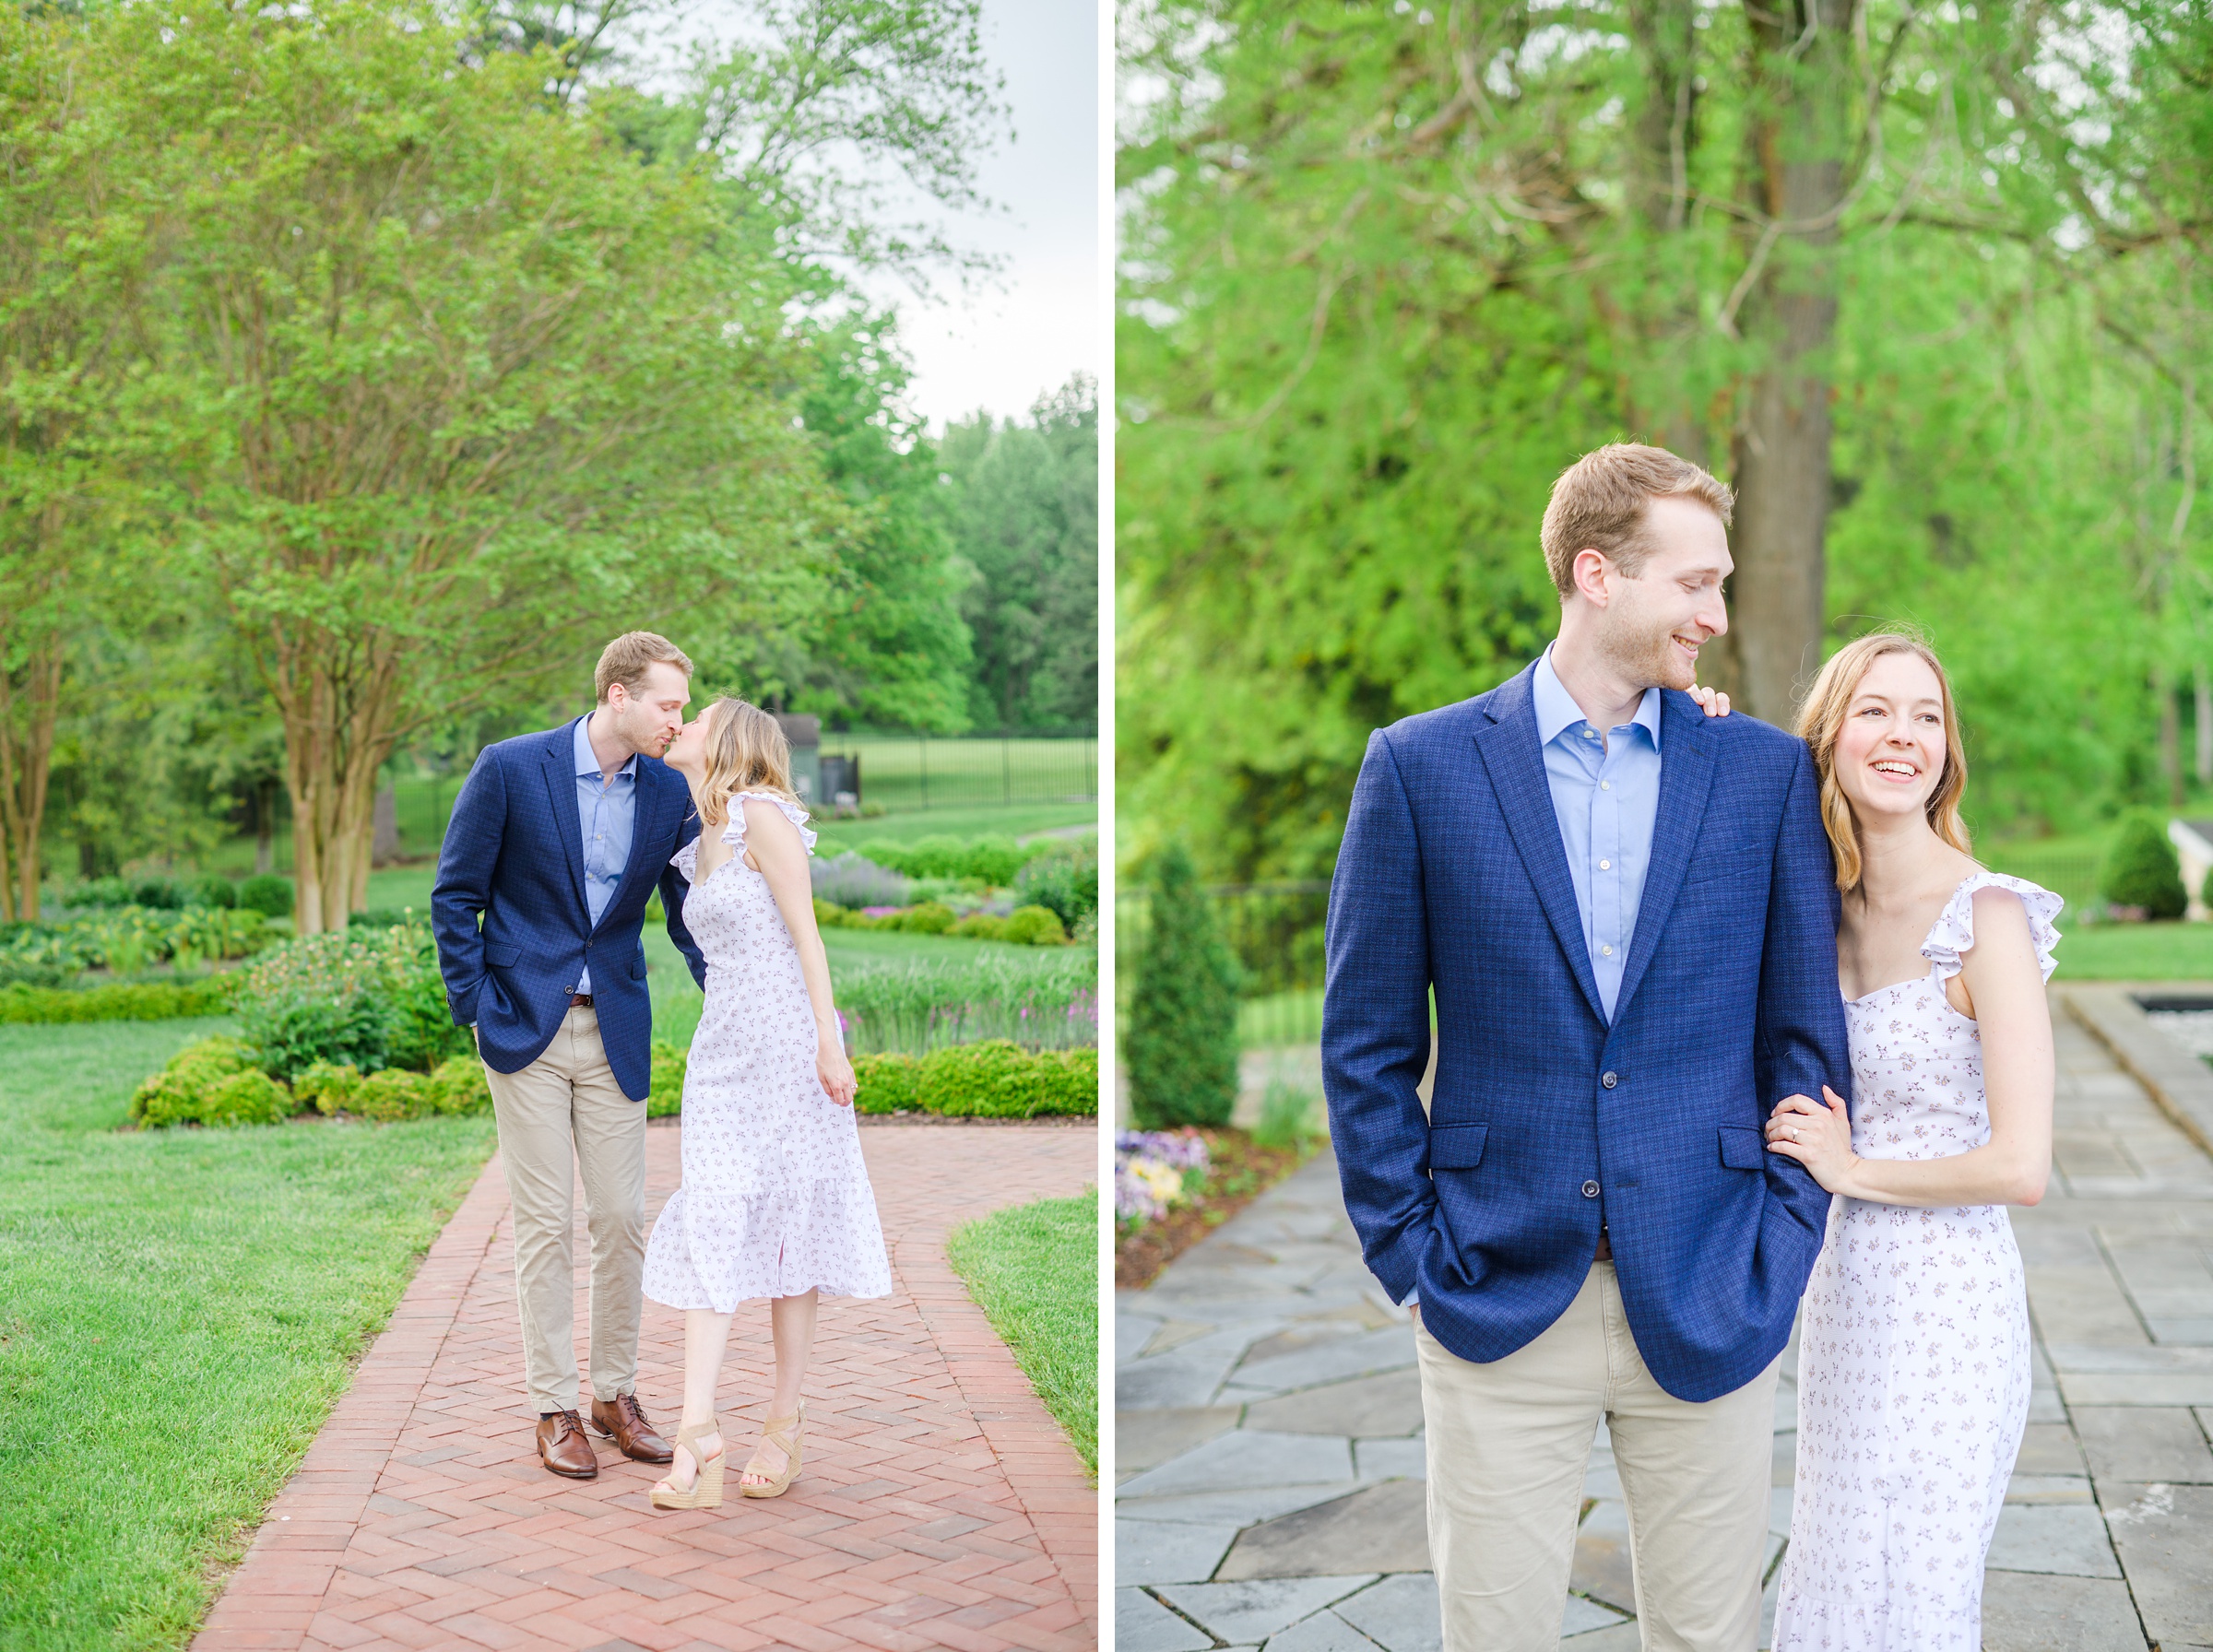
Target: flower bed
<point>126,939</point>
<point>1236,1170</point>
<point>353,1022</point>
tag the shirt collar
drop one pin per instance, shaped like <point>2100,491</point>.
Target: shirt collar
<point>1556,709</point>
<point>587,762</point>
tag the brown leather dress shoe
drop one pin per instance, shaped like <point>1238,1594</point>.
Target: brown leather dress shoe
<point>562,1447</point>
<point>623,1422</point>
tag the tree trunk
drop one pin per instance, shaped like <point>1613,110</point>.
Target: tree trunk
<point>2204,729</point>
<point>336,738</point>
<point>26,765</point>
<point>2171,734</point>
<point>1799,135</point>
<point>265,826</point>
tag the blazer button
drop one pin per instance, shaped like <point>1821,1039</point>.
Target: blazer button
<point>1590,1189</point>
<point>1609,1079</point>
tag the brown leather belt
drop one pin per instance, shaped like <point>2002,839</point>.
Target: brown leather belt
<point>582,1000</point>
<point>1606,1250</point>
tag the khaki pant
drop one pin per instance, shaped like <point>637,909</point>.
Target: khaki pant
<point>569,1095</point>
<point>1509,1444</point>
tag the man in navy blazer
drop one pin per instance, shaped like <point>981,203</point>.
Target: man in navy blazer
<point>556,842</point>
<point>1625,914</point>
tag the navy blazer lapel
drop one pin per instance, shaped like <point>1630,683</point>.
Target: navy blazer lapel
<point>1686,777</point>
<point>561,781</point>
<point>644,820</point>
<point>1516,763</point>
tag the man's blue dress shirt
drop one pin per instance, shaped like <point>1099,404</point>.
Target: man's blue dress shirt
<point>1606,794</point>
<point>608,809</point>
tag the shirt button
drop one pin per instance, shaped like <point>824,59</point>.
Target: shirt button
<point>1590,1189</point>
<point>1609,1079</point>
<point>1605,785</point>
<point>1606,951</point>
<point>1605,866</point>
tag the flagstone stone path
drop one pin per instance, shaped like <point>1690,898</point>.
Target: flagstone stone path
<point>940,1506</point>
<point>1269,1435</point>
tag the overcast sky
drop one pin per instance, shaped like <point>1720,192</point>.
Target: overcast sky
<point>1002,344</point>
<point>1002,349</point>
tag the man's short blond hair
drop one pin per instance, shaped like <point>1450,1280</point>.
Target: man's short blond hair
<point>630,656</point>
<point>1601,502</point>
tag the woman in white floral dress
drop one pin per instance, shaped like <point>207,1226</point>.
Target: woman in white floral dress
<point>1915,1352</point>
<point>774,1200</point>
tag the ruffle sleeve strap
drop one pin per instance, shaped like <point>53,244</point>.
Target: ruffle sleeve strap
<point>734,833</point>
<point>1955,931</point>
<point>686,861</point>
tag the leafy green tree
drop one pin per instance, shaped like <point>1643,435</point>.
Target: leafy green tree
<point>449,379</point>
<point>1180,1041</point>
<point>71,269</point>
<point>891,649</point>
<point>1028,525</point>
<point>1388,271</point>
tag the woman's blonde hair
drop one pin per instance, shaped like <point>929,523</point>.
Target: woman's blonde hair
<point>1821,720</point>
<point>746,752</point>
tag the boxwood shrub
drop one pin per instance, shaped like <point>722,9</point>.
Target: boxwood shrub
<point>994,1079</point>
<point>211,1082</point>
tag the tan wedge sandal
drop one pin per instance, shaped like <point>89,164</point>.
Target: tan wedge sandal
<point>784,1432</point>
<point>707,1484</point>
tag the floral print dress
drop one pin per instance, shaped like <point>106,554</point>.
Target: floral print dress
<point>1913,1361</point>
<point>774,1200</point>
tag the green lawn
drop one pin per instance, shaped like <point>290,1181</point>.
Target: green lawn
<point>1018,821</point>
<point>1034,1270</point>
<point>2135,952</point>
<point>178,1311</point>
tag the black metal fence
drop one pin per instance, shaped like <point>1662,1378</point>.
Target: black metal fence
<point>914,772</point>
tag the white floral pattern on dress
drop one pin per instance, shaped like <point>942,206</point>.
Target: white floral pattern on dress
<point>1913,1356</point>
<point>774,1200</point>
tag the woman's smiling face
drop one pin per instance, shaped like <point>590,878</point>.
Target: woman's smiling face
<point>1890,753</point>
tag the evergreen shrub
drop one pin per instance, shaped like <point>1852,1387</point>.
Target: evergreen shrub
<point>2142,868</point>
<point>268,894</point>
<point>213,890</point>
<point>1181,1040</point>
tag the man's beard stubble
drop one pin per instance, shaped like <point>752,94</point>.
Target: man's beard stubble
<point>1645,655</point>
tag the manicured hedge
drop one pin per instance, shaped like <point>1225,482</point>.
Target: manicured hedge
<point>996,1079</point>
<point>992,1080</point>
<point>121,1001</point>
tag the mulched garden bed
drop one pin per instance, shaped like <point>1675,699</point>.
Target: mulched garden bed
<point>1240,1171</point>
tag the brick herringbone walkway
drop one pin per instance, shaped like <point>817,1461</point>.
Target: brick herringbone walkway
<point>940,1507</point>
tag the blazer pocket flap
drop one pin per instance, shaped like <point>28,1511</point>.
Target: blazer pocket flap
<point>637,969</point>
<point>1456,1147</point>
<point>1743,1149</point>
<point>502,957</point>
